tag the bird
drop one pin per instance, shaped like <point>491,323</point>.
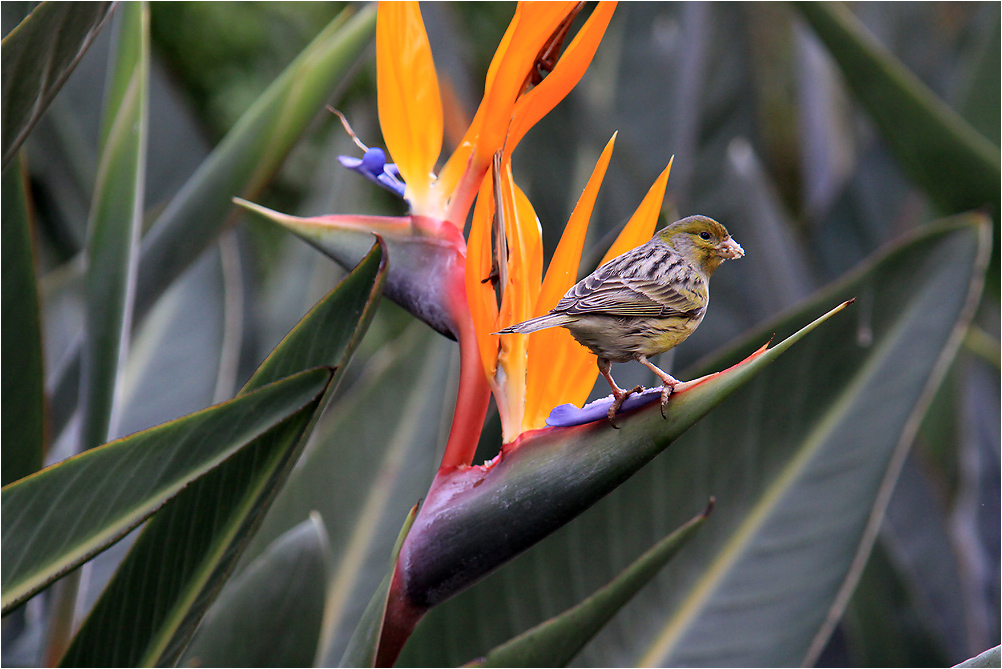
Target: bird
<point>643,302</point>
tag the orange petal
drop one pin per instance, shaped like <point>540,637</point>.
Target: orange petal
<point>480,294</point>
<point>569,377</point>
<point>641,226</point>
<point>559,369</point>
<point>571,66</point>
<point>410,105</point>
<point>530,28</point>
<point>536,24</point>
<point>456,165</point>
<point>525,265</point>
<point>525,253</point>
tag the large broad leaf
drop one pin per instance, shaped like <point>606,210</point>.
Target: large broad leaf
<point>957,166</point>
<point>115,224</point>
<point>62,516</point>
<point>270,615</point>
<point>38,55</point>
<point>363,493</point>
<point>801,461</point>
<point>175,568</point>
<point>23,383</point>
<point>555,642</point>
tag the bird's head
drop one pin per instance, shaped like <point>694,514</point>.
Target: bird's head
<point>702,241</point>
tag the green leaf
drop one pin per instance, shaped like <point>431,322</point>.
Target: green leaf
<point>270,615</point>
<point>556,642</point>
<point>65,514</point>
<point>801,461</point>
<point>361,650</point>
<point>38,56</point>
<point>882,625</point>
<point>23,381</point>
<point>546,478</point>
<point>173,572</point>
<point>115,224</point>
<point>242,163</point>
<point>362,493</point>
<point>250,153</point>
<point>982,96</point>
<point>951,161</point>
<point>990,658</point>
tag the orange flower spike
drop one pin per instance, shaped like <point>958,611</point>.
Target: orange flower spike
<point>559,369</point>
<point>536,24</point>
<point>530,28</point>
<point>525,263</point>
<point>410,104</point>
<point>458,162</point>
<point>479,293</point>
<point>531,235</point>
<point>573,63</point>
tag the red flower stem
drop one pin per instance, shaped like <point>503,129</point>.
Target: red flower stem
<point>472,400</point>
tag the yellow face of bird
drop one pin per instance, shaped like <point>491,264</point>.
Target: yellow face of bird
<point>702,241</point>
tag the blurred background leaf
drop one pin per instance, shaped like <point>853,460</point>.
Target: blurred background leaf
<point>270,615</point>
<point>114,226</point>
<point>23,396</point>
<point>38,56</point>
<point>956,166</point>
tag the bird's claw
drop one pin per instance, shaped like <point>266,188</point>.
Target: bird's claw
<point>666,392</point>
<point>617,405</point>
<point>612,413</point>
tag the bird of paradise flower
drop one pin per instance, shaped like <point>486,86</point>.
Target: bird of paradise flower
<point>526,79</point>
<point>467,289</point>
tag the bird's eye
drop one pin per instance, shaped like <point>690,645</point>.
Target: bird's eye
<point>705,235</point>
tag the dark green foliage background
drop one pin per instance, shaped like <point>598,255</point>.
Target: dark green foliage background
<point>768,138</point>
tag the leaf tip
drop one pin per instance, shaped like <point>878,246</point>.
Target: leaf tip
<point>709,508</point>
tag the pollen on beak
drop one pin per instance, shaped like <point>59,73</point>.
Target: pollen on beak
<point>730,249</point>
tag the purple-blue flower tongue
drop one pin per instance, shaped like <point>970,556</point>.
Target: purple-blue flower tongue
<point>373,166</point>
<point>567,415</point>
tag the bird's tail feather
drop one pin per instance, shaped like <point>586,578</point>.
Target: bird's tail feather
<point>534,324</point>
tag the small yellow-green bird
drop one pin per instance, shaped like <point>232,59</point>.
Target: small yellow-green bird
<point>643,302</point>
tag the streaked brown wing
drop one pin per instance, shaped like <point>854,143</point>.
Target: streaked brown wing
<point>631,285</point>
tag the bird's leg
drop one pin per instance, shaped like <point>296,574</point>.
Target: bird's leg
<point>605,367</point>
<point>668,382</point>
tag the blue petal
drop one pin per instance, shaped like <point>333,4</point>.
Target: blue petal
<point>373,166</point>
<point>567,415</point>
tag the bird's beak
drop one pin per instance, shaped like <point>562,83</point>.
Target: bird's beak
<point>730,249</point>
